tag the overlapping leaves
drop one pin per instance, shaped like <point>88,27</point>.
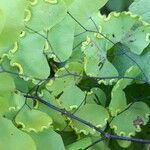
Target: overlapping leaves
<point>31,56</point>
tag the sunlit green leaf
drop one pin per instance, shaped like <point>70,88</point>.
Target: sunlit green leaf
<point>126,29</point>
<point>12,138</point>
<point>95,114</point>
<point>33,120</point>
<point>63,79</point>
<point>95,61</point>
<point>29,57</point>
<point>61,37</point>
<point>72,97</point>
<point>135,117</point>
<point>58,119</point>
<point>118,97</point>
<point>79,8</point>
<point>11,101</point>
<point>96,95</point>
<point>45,14</point>
<point>12,17</point>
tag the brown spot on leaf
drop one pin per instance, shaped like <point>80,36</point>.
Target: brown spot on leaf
<point>138,121</point>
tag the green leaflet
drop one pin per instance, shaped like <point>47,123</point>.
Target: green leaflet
<point>96,95</point>
<point>124,144</point>
<point>16,102</point>
<point>134,117</point>
<point>44,14</point>
<point>84,19</point>
<point>144,62</point>
<point>47,140</point>
<point>79,9</point>
<point>100,145</point>
<point>75,68</point>
<point>95,60</point>
<point>69,137</point>
<point>29,57</point>
<point>122,62</point>
<point>58,120</point>
<point>61,37</point>
<point>80,144</point>
<point>72,97</point>
<point>65,87</point>
<point>84,142</point>
<point>57,86</point>
<point>14,139</point>
<point>32,120</point>
<point>4,51</point>
<point>141,8</point>
<point>129,30</point>
<point>128,146</point>
<point>77,55</point>
<point>21,85</point>
<point>118,98</point>
<point>95,114</point>
<point>9,100</point>
<point>7,83</point>
<point>12,17</point>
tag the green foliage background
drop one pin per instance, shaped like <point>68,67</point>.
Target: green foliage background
<point>39,39</point>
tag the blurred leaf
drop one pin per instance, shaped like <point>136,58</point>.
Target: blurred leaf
<point>14,139</point>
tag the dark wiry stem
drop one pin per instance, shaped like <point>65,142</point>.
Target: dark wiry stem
<point>103,134</point>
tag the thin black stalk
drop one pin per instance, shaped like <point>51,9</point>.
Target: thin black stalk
<point>103,133</point>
